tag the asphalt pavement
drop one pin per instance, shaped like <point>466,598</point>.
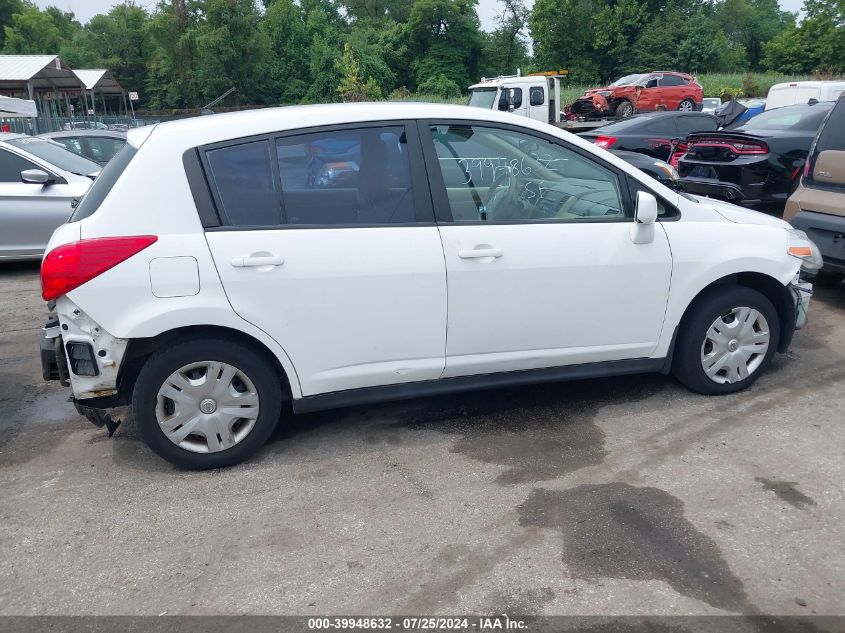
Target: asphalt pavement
<point>624,495</point>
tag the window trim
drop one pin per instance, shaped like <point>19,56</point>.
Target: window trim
<point>423,209</point>
<point>440,200</point>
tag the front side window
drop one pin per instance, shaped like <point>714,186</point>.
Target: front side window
<point>496,175</point>
<point>343,177</point>
<point>508,95</point>
<point>243,179</point>
<point>11,166</point>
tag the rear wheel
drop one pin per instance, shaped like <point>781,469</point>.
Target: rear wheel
<point>207,403</point>
<point>624,109</point>
<point>726,341</point>
<point>687,105</point>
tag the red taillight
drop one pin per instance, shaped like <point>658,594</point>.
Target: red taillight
<point>807,167</point>
<point>605,142</point>
<point>737,147</point>
<point>70,265</point>
<point>679,151</point>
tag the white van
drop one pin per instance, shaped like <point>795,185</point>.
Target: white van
<point>795,92</point>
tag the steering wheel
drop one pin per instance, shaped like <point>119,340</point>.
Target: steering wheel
<point>507,200</point>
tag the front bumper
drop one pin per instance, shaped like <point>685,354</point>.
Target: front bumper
<point>802,291</point>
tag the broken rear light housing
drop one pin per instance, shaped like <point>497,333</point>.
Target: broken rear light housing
<point>70,265</point>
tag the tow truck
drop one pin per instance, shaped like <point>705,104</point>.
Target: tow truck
<point>535,95</point>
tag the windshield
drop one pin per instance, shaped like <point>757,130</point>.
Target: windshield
<point>797,117</point>
<point>482,97</point>
<point>57,155</point>
<point>627,80</point>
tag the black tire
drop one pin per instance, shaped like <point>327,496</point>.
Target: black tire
<point>692,105</point>
<point>624,109</point>
<point>827,278</point>
<point>713,303</point>
<point>160,365</point>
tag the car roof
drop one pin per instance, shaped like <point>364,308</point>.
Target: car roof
<point>231,125</point>
<point>8,136</point>
<point>85,132</point>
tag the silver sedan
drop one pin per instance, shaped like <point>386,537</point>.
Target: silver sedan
<point>39,179</point>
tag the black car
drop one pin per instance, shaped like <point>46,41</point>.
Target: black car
<point>660,170</point>
<point>759,160</point>
<point>652,133</point>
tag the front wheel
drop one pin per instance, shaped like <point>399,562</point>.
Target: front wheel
<point>687,105</point>
<point>624,109</point>
<point>207,403</point>
<point>726,341</point>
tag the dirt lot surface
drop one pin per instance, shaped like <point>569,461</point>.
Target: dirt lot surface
<point>614,496</point>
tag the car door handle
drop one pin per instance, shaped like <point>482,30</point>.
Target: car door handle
<point>256,261</point>
<point>479,253</point>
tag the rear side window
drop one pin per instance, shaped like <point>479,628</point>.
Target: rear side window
<point>103,184</point>
<point>672,80</point>
<point>344,177</point>
<point>832,135</point>
<point>103,148</point>
<point>662,125</point>
<point>537,95</point>
<point>243,181</point>
<point>11,166</point>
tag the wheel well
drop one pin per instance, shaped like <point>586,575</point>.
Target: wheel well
<point>772,289</point>
<point>139,349</point>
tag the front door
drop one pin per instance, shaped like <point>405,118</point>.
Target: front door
<point>29,213</point>
<point>342,263</point>
<point>540,264</point>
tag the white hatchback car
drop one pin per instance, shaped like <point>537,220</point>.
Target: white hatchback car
<point>342,254</point>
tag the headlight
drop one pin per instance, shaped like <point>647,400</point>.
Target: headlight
<point>604,93</point>
<point>667,169</point>
<point>802,247</point>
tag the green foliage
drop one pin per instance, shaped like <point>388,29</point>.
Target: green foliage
<point>184,53</point>
<point>440,86</point>
<point>352,86</point>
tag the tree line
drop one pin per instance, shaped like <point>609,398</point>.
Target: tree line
<point>184,53</point>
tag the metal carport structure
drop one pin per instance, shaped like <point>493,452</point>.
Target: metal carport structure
<point>100,81</point>
<point>45,79</point>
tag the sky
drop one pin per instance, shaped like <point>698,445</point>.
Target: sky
<point>487,9</point>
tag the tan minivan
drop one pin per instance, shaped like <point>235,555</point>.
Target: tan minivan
<point>818,205</point>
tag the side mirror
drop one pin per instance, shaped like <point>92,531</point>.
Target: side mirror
<point>642,230</point>
<point>36,177</point>
<point>829,167</point>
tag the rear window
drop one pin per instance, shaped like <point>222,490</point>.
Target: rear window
<point>57,155</point>
<point>92,200</point>
<point>798,117</point>
<point>832,135</point>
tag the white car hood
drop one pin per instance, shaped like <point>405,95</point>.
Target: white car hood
<point>741,215</point>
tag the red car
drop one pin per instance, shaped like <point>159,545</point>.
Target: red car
<point>640,93</point>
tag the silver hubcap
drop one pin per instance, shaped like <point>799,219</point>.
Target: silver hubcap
<point>207,407</point>
<point>735,345</point>
<point>686,106</point>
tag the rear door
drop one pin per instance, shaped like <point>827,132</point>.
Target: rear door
<point>329,245</point>
<point>29,213</point>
